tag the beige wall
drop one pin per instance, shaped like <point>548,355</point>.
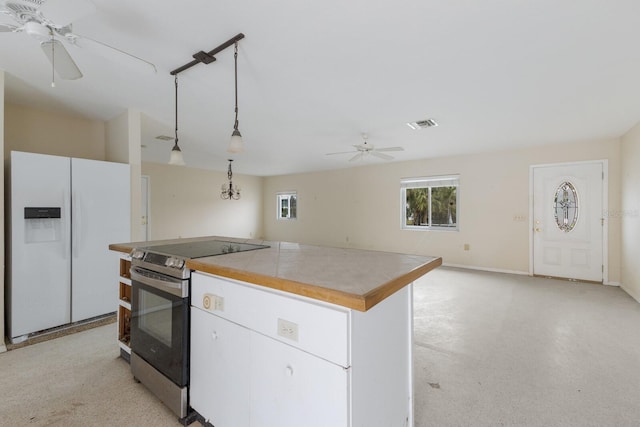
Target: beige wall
<point>45,132</point>
<point>630,212</point>
<point>185,202</point>
<point>360,207</point>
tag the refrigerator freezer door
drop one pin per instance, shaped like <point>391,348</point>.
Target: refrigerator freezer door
<point>101,215</point>
<point>39,270</point>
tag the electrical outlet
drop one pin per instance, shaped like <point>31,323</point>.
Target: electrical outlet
<point>213,302</point>
<point>288,329</point>
<point>466,247</point>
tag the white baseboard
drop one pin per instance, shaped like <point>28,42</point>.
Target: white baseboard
<point>492,270</point>
<point>631,293</point>
<point>3,348</point>
<point>611,283</point>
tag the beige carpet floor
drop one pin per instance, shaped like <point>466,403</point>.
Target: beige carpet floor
<point>77,380</point>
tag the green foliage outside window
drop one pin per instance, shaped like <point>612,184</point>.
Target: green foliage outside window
<point>431,206</point>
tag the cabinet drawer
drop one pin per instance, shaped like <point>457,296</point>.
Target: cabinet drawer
<point>318,328</point>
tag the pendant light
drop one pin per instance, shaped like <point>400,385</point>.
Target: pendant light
<point>176,154</point>
<point>236,145</point>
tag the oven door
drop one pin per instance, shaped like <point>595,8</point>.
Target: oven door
<point>160,323</point>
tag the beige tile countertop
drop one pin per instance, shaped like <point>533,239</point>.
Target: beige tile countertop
<point>353,278</point>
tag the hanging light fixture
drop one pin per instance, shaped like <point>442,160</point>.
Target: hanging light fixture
<point>176,154</point>
<point>236,145</point>
<point>203,57</point>
<point>230,191</point>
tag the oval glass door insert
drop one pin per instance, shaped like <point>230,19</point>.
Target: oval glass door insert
<point>566,206</point>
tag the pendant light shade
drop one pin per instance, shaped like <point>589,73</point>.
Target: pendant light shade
<point>236,145</point>
<point>176,154</point>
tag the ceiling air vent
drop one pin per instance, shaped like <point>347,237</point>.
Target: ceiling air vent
<point>422,124</point>
<point>164,138</point>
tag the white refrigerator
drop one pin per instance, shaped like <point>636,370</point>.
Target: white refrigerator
<point>64,212</point>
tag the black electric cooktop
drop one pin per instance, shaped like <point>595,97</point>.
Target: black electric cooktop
<point>203,248</point>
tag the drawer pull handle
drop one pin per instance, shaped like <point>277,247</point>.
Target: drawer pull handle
<point>289,370</point>
<point>214,335</point>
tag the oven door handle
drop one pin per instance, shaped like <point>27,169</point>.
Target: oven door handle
<point>177,287</point>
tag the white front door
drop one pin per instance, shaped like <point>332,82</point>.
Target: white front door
<point>568,220</point>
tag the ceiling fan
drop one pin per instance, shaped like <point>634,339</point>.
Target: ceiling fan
<point>365,148</point>
<point>48,21</point>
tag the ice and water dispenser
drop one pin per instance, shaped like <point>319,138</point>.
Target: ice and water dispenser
<point>42,224</point>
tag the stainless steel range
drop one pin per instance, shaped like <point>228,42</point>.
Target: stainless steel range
<point>160,316</point>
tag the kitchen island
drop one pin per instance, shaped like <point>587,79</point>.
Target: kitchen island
<point>302,335</point>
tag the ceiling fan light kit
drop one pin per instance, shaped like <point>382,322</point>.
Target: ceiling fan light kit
<point>37,30</point>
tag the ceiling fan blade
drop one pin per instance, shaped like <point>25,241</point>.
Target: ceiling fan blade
<point>381,155</point>
<point>7,28</point>
<point>341,152</point>
<point>112,53</point>
<point>356,157</point>
<point>390,149</point>
<point>61,60</point>
<point>64,12</point>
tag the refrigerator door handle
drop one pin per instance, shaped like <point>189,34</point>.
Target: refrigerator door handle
<point>76,223</point>
<point>66,233</point>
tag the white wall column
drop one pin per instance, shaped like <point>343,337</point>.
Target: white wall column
<point>3,348</point>
<point>123,144</point>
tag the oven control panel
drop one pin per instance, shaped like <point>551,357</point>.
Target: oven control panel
<point>158,259</point>
<point>167,264</point>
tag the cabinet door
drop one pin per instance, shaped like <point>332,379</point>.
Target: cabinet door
<point>292,388</point>
<point>220,360</point>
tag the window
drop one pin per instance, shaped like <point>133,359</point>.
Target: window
<point>287,205</point>
<point>430,203</point>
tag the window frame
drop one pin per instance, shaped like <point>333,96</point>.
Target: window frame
<point>429,182</point>
<point>279,197</point>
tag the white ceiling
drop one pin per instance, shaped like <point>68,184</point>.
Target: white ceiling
<point>313,76</point>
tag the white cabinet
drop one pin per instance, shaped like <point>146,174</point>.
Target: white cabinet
<point>290,387</point>
<point>241,378</point>
<point>265,358</point>
<point>220,367</point>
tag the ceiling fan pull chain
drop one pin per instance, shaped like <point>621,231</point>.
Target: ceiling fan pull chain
<point>53,60</point>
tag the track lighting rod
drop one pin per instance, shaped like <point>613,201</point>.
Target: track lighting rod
<point>207,57</point>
